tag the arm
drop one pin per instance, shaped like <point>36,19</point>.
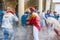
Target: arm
<point>15,19</point>
<point>37,23</point>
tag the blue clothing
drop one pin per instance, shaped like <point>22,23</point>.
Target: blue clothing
<point>56,16</point>
<point>51,15</point>
<point>43,20</point>
<point>59,19</point>
<point>1,15</point>
<point>16,14</point>
<point>8,34</point>
<point>23,19</point>
<point>43,23</point>
<point>47,15</point>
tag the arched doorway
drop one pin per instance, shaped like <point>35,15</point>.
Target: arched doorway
<point>44,5</point>
<point>16,10</point>
<point>1,4</point>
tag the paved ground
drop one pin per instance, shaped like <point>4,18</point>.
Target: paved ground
<point>21,32</point>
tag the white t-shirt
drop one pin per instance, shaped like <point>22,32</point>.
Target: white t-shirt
<point>8,19</point>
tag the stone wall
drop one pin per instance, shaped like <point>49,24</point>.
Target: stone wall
<point>30,3</point>
<point>10,3</point>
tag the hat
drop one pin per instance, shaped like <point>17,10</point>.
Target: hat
<point>27,10</point>
<point>32,8</point>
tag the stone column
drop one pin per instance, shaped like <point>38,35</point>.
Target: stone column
<point>20,9</point>
<point>52,5</point>
<point>40,6</point>
<point>48,4</point>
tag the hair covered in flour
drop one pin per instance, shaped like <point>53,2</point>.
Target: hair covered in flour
<point>10,9</point>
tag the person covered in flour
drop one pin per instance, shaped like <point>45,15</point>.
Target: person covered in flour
<point>7,23</point>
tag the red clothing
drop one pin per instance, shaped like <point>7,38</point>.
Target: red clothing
<point>35,20</point>
<point>11,12</point>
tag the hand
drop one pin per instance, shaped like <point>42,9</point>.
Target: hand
<point>27,18</point>
<point>27,23</point>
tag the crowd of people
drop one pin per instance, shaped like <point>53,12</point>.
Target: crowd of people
<point>32,18</point>
<point>44,21</point>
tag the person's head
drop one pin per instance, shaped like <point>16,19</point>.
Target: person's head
<point>32,9</point>
<point>38,12</point>
<point>10,9</point>
<point>36,7</point>
<point>48,11</point>
<point>27,10</point>
<point>54,12</point>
